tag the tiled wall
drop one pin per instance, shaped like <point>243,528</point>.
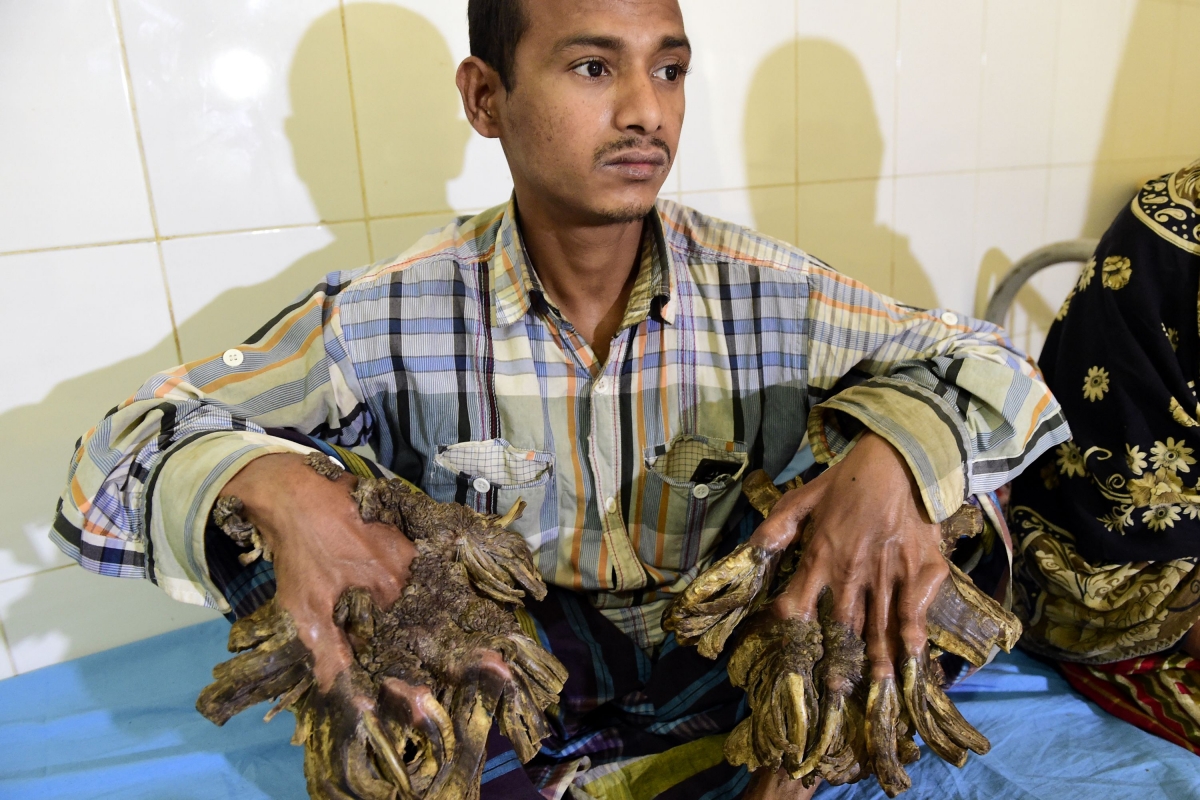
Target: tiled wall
<point>171,172</point>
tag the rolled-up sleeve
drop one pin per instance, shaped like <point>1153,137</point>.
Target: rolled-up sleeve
<point>142,482</point>
<point>964,407</point>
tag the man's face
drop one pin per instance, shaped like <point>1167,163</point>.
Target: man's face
<point>593,121</point>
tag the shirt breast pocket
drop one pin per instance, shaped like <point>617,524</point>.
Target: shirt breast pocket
<point>692,486</point>
<point>503,473</point>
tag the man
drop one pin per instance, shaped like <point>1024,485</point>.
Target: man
<point>617,362</point>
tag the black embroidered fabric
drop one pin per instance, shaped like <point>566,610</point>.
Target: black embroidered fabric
<point>1123,358</point>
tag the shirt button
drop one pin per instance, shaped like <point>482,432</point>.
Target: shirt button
<point>701,491</point>
<point>610,505</point>
<point>482,485</point>
<point>950,318</point>
<point>602,385</point>
<point>233,357</point>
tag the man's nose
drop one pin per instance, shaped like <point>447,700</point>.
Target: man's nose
<point>639,108</point>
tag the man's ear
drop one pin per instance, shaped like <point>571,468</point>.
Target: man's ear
<point>481,90</point>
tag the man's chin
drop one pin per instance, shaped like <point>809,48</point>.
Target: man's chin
<point>624,214</point>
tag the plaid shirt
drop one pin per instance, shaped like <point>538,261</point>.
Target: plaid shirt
<point>451,367</point>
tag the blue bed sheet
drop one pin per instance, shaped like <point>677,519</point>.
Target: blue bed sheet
<point>121,724</point>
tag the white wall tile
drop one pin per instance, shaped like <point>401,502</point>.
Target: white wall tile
<point>848,104</point>
<point>106,304</point>
<point>729,51</point>
<point>245,112</point>
<point>936,214</point>
<point>1005,230</point>
<point>938,107</point>
<point>1067,199</point>
<point>69,163</point>
<point>67,613</point>
<point>226,287</point>
<point>1091,43</point>
<point>1018,86</point>
<point>6,667</point>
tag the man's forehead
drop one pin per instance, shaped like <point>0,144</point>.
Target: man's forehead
<point>562,20</point>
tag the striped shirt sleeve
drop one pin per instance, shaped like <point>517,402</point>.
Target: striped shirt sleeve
<point>142,482</point>
<point>965,408</point>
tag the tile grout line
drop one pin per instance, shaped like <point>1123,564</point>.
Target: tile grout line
<point>894,223</point>
<point>137,130</point>
<point>35,574</point>
<point>362,176</point>
<point>978,189</point>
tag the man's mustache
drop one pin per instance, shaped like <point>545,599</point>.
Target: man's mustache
<point>630,143</point>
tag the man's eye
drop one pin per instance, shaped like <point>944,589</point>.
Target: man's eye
<point>591,69</point>
<point>672,72</point>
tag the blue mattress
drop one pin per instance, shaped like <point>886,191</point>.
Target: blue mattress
<point>121,724</point>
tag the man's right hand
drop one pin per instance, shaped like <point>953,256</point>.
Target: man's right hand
<point>321,548</point>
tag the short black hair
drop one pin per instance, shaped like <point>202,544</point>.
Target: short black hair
<point>496,26</point>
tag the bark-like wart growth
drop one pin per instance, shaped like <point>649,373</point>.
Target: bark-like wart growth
<point>409,719</point>
<point>811,710</point>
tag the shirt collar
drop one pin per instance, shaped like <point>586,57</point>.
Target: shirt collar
<point>515,285</point>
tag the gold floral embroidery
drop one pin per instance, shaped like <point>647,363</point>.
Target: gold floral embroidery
<point>1163,486</point>
<point>1172,336</point>
<point>1181,416</point>
<point>1135,459</point>
<point>1085,277</point>
<point>1161,517</point>
<point>1070,460</point>
<point>1171,455</point>
<point>1120,518</point>
<point>1095,385</point>
<point>1065,307</point>
<point>1117,270</point>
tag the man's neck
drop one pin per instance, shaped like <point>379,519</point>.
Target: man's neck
<point>587,270</point>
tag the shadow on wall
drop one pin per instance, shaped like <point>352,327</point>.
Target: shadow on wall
<point>814,154</point>
<point>1147,132</point>
<point>412,135</point>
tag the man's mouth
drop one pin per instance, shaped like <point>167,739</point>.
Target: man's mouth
<point>637,165</point>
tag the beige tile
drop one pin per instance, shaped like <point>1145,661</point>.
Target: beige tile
<point>740,126</point>
<point>69,161</point>
<point>1018,90</point>
<point>410,123</point>
<point>775,212</point>
<point>394,236</point>
<point>1183,126</point>
<point>1136,126</point>
<point>846,225</point>
<point>1091,43</point>
<point>66,613</point>
<point>847,89</point>
<point>1010,216</point>
<point>245,112</point>
<point>935,217</point>
<point>224,288</point>
<point>938,105</point>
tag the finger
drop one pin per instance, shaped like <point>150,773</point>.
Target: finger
<point>416,708</point>
<point>878,629</point>
<point>800,597</point>
<point>781,529</point>
<point>954,724</point>
<point>390,762</point>
<point>883,719</point>
<point>915,686</point>
<point>916,595</point>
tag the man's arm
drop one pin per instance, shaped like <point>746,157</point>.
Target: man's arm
<point>915,411</point>
<point>142,482</point>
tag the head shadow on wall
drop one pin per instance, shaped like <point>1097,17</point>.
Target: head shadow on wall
<point>1150,128</point>
<point>413,141</point>
<point>814,154</point>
